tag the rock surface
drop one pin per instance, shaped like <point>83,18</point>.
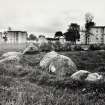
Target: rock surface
<point>10,58</point>
<point>93,77</point>
<point>11,54</point>
<point>58,64</point>
<point>62,64</point>
<point>80,75</point>
<point>31,49</point>
<point>47,59</point>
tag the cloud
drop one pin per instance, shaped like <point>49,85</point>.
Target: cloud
<point>48,16</point>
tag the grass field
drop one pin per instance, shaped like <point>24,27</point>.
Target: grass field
<point>25,83</point>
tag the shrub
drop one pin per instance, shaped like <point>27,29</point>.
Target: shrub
<point>101,69</point>
<point>102,47</point>
<point>46,47</point>
<point>57,46</point>
<point>62,47</point>
<point>67,47</point>
<point>94,47</point>
<point>78,48</point>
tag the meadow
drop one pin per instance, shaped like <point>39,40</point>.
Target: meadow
<point>25,83</point>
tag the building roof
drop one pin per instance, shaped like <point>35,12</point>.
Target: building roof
<point>18,31</point>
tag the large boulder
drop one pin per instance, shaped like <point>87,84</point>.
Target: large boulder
<point>32,48</point>
<point>80,75</point>
<point>10,59</point>
<point>57,64</point>
<point>62,66</point>
<point>93,77</point>
<point>47,59</point>
<point>5,55</point>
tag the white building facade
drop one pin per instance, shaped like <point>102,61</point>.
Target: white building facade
<point>97,35</point>
<point>16,36</point>
<point>82,38</point>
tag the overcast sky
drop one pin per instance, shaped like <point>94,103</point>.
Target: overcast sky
<point>48,16</point>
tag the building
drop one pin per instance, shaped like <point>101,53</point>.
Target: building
<point>15,36</point>
<point>97,35</point>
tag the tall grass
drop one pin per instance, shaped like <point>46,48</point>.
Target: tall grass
<point>25,83</point>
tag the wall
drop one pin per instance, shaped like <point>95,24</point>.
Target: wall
<point>10,37</point>
<point>1,39</point>
<point>82,38</point>
<point>97,35</point>
<point>17,37</point>
<point>22,37</point>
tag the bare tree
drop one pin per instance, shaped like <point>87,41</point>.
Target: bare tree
<point>89,17</point>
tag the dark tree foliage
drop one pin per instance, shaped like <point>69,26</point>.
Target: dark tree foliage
<point>5,36</point>
<point>72,33</point>
<point>58,34</point>
<point>32,37</point>
<point>88,24</point>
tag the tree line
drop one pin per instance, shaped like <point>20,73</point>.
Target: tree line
<point>73,32</point>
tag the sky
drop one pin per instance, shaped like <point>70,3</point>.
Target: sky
<point>48,16</point>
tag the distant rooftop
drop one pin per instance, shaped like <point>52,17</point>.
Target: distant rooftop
<point>17,31</point>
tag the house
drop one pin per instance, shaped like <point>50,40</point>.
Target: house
<point>97,35</point>
<point>15,36</point>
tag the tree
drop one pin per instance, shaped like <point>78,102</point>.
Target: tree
<point>58,34</point>
<point>89,23</point>
<point>5,36</point>
<point>32,37</point>
<point>72,33</point>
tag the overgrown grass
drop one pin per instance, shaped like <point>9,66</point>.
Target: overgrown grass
<point>25,83</point>
<point>87,60</point>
